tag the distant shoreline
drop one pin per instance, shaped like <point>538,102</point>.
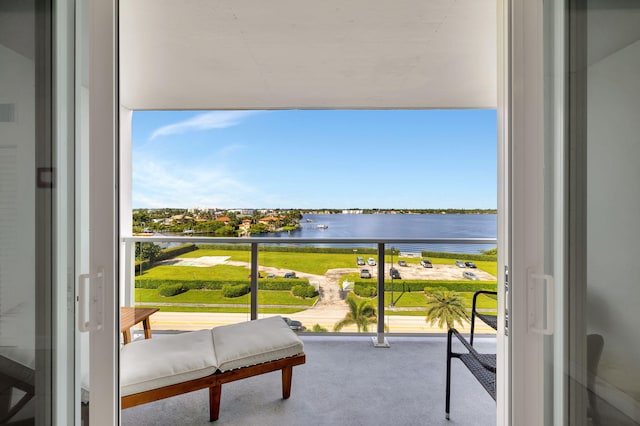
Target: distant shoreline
<point>338,211</point>
<point>399,211</point>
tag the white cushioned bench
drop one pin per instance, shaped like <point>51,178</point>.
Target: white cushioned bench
<point>154,369</point>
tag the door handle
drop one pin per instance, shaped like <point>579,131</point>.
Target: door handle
<point>90,301</point>
<point>541,303</point>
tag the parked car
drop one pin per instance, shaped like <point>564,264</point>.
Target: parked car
<point>426,263</point>
<point>290,275</point>
<point>293,324</point>
<point>360,261</point>
<point>470,276</point>
<point>271,275</point>
<point>364,273</point>
<point>470,264</point>
<point>395,274</point>
<point>460,264</point>
<point>371,261</point>
<point>402,263</point>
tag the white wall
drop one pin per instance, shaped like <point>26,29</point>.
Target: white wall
<point>613,211</point>
<point>17,209</point>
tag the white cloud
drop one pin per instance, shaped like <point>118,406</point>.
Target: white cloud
<point>168,185</point>
<point>207,120</point>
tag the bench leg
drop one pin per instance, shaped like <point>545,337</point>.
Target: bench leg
<point>214,402</point>
<point>287,373</point>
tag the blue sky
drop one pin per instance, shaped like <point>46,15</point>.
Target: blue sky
<point>315,159</point>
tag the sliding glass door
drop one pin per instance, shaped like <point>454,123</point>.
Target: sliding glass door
<point>37,327</point>
<point>580,291</point>
<point>603,340</point>
<point>58,337</point>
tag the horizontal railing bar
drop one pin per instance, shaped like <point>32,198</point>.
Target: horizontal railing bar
<point>274,240</point>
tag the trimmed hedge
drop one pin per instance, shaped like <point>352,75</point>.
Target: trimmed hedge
<point>422,285</point>
<point>168,290</point>
<point>263,284</point>
<point>171,252</point>
<point>165,254</point>
<point>460,256</point>
<point>365,291</point>
<point>236,290</point>
<point>304,291</point>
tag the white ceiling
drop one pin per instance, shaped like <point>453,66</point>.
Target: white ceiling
<point>258,54</point>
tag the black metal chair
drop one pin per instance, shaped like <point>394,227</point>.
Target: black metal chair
<point>489,319</point>
<point>482,366</point>
<point>14,376</point>
<point>595,345</point>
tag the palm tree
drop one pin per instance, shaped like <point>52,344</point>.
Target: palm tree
<point>446,307</point>
<point>361,314</point>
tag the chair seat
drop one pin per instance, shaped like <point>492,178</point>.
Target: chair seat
<point>486,377</point>
<point>490,320</point>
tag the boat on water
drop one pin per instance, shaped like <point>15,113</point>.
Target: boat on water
<point>321,226</point>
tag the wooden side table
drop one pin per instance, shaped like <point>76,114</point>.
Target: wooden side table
<point>130,316</point>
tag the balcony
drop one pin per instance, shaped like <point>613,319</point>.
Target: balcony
<point>344,382</point>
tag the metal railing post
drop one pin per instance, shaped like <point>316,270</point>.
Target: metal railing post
<point>379,341</point>
<point>254,281</point>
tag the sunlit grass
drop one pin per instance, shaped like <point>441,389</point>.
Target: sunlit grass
<point>188,273</point>
<point>313,263</point>
<point>419,299</point>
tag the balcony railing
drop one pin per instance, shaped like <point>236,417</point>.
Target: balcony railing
<point>381,247</point>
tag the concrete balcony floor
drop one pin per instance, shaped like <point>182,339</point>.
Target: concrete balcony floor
<point>345,381</point>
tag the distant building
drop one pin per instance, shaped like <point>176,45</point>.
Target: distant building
<point>351,211</point>
<point>179,218</point>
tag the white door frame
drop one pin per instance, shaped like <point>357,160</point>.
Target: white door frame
<point>520,186</point>
<point>521,203</point>
<point>103,216</point>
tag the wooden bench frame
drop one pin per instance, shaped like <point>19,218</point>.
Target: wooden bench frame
<point>215,381</point>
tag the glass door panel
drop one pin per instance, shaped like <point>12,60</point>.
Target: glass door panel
<point>36,248</point>
<point>592,56</point>
<point>608,129</point>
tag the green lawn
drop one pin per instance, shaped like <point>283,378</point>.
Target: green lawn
<point>418,299</point>
<point>317,263</point>
<point>188,273</point>
<point>490,267</point>
<point>265,297</point>
<point>312,263</point>
<point>238,255</point>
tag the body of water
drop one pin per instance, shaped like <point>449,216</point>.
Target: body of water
<point>400,226</point>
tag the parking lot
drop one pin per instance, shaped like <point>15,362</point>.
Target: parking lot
<point>438,272</point>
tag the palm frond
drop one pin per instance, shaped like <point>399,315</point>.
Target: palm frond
<point>445,308</point>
